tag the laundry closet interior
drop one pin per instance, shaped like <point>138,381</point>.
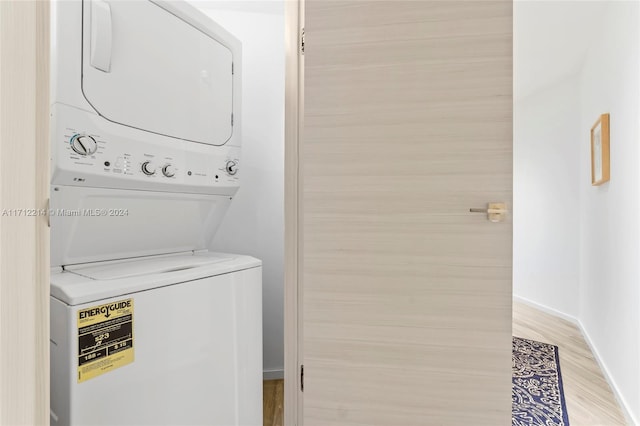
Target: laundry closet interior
<point>166,210</point>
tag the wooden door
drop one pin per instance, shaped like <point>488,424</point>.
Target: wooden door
<point>406,294</point>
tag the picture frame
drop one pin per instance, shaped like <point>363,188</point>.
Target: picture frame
<point>600,146</point>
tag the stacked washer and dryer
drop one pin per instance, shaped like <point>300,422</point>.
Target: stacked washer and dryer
<point>148,327</point>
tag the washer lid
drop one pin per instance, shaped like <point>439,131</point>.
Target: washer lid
<point>88,283</point>
<point>165,71</point>
<point>137,267</point>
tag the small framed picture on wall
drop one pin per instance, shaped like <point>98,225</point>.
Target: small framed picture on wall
<point>600,151</point>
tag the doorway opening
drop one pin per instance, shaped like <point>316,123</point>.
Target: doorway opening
<point>575,244</point>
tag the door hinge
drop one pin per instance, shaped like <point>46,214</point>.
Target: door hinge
<point>302,41</point>
<point>232,119</point>
<point>302,378</point>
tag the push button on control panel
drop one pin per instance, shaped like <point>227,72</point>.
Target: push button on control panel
<point>84,144</point>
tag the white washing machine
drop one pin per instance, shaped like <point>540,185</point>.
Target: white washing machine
<point>166,340</point>
<point>147,326</point>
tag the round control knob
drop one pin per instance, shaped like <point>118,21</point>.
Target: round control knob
<point>84,144</point>
<point>232,167</point>
<point>148,168</point>
<point>168,170</point>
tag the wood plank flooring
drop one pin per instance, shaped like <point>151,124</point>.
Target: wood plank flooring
<point>590,401</point>
<point>272,398</point>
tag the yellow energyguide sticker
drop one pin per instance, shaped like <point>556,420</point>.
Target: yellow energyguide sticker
<point>105,338</point>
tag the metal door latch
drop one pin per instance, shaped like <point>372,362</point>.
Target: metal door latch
<point>496,212</point>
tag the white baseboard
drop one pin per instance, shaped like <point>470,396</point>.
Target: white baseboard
<point>621,401</point>
<point>273,374</point>
<point>605,371</point>
<point>547,309</point>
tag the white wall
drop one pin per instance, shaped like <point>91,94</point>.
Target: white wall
<point>254,224</point>
<point>610,214</point>
<point>545,204</point>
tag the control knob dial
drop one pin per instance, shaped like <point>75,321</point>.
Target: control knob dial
<point>84,144</point>
<point>168,170</point>
<point>148,168</point>
<point>232,167</point>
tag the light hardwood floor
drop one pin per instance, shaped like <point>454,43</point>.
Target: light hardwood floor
<point>272,397</point>
<point>590,401</point>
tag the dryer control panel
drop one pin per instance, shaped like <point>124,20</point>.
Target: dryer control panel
<point>128,158</point>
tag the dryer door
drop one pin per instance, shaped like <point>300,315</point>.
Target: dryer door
<point>159,70</point>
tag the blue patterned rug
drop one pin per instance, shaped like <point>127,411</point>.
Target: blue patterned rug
<point>538,398</point>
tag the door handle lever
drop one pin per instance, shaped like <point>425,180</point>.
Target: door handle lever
<point>495,211</point>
